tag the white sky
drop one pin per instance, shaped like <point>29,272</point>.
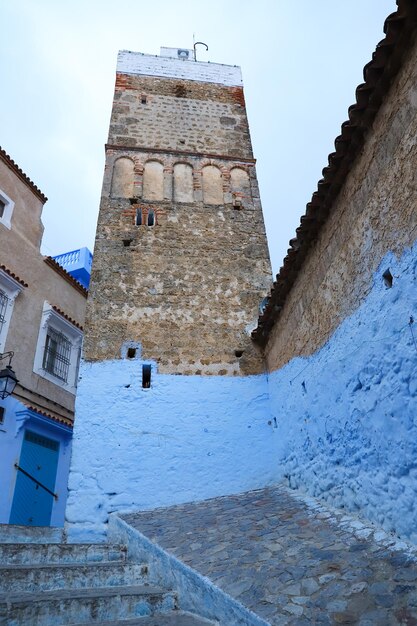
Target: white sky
<point>301,62</point>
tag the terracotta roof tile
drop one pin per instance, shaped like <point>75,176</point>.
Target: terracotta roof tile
<point>13,275</point>
<point>379,74</point>
<point>67,317</point>
<point>62,420</point>
<point>20,173</point>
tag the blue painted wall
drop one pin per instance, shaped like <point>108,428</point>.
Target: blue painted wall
<point>17,419</point>
<point>346,424</point>
<point>347,416</point>
<point>186,438</point>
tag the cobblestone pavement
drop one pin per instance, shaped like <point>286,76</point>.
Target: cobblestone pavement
<point>291,559</point>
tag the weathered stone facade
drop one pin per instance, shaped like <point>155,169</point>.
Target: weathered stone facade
<point>187,286</point>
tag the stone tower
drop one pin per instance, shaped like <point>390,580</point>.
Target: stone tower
<point>181,260</point>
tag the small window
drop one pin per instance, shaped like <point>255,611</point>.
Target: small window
<point>143,100</point>
<point>151,218</point>
<point>57,354</point>
<point>9,290</point>
<point>6,210</point>
<point>138,220</point>
<point>146,376</point>
<point>388,279</point>
<point>4,301</point>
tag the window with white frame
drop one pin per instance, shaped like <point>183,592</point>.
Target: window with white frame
<point>6,209</point>
<point>9,290</point>
<point>58,349</point>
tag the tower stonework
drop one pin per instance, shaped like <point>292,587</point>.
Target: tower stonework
<point>181,259</point>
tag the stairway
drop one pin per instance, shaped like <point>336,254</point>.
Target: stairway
<point>51,584</point>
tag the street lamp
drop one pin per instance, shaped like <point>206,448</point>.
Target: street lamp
<point>8,379</point>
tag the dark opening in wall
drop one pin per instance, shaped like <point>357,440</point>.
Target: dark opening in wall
<point>388,279</point>
<point>151,218</point>
<point>127,242</point>
<point>133,200</point>
<point>238,353</point>
<point>146,376</point>
<point>180,91</point>
<point>131,353</point>
<point>143,100</point>
<point>138,219</point>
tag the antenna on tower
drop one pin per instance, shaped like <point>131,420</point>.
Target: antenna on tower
<point>198,43</point>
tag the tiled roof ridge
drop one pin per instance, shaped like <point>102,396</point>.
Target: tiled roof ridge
<point>13,165</point>
<point>62,420</point>
<point>379,73</point>
<point>63,272</point>
<point>13,275</point>
<point>66,317</point>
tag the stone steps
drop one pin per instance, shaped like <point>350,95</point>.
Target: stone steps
<point>175,618</point>
<point>11,533</point>
<point>89,605</point>
<point>46,576</point>
<point>46,583</point>
<point>48,553</point>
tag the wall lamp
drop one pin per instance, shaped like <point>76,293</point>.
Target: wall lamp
<point>8,379</point>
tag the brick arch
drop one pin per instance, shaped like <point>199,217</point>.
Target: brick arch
<point>153,180</point>
<point>123,177</point>
<point>212,183</point>
<point>183,181</point>
<point>240,185</point>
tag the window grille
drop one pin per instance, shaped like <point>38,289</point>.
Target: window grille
<point>4,301</point>
<point>57,354</point>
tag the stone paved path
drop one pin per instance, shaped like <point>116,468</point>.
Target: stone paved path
<point>290,559</point>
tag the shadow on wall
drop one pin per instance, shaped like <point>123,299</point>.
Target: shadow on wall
<point>346,416</point>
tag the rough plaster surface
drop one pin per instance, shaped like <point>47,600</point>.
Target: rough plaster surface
<point>186,438</point>
<point>346,416</point>
<point>375,213</point>
<point>20,253</point>
<point>139,63</point>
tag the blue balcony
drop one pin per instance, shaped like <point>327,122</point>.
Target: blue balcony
<point>78,264</point>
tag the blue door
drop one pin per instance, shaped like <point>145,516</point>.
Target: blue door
<point>32,504</point>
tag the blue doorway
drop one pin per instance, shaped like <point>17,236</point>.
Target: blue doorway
<point>35,482</point>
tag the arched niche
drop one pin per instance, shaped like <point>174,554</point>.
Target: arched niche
<point>212,185</point>
<point>153,181</point>
<point>183,183</point>
<point>239,182</point>
<point>123,178</point>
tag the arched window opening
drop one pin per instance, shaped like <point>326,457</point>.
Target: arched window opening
<point>138,220</point>
<point>212,185</point>
<point>151,218</point>
<point>183,183</point>
<point>153,181</point>
<point>239,186</point>
<point>123,178</point>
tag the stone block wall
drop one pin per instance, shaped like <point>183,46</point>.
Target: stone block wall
<point>187,286</point>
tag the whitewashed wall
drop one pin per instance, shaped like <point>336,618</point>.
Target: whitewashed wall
<point>343,424</point>
<point>347,416</point>
<point>186,438</point>
<point>150,65</point>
